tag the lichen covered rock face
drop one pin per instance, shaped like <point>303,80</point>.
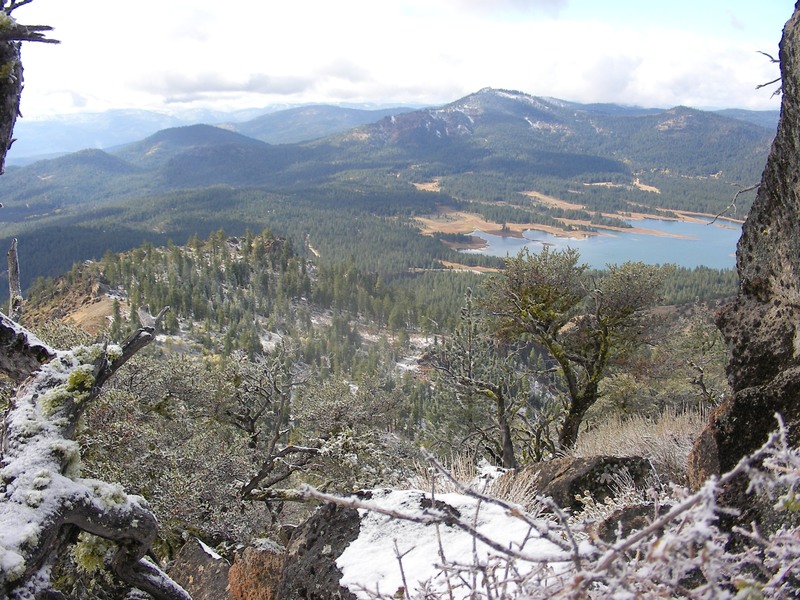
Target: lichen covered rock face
<point>762,326</point>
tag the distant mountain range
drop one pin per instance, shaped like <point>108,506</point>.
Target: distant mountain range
<point>52,137</point>
<point>337,166</point>
<point>49,138</point>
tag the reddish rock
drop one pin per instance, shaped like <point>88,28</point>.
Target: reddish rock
<point>256,574</point>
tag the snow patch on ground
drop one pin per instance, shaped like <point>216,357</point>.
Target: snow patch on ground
<point>409,363</point>
<point>370,564</point>
<point>270,340</point>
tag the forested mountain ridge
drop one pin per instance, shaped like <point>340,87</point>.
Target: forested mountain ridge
<point>49,137</point>
<point>263,276</point>
<point>158,148</point>
<point>305,123</point>
<point>498,118</point>
<point>478,155</point>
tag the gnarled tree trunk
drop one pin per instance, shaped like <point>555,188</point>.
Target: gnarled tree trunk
<point>43,499</point>
<point>11,36</point>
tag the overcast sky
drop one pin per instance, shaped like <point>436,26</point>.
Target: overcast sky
<point>171,55</point>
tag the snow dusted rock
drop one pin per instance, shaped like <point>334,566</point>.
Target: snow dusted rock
<point>201,572</point>
<point>353,554</point>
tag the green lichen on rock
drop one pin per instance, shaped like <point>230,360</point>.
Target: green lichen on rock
<point>42,480</point>
<point>78,388</point>
<point>113,352</point>
<point>12,565</point>
<point>8,70</point>
<point>34,498</point>
<point>789,501</point>
<point>30,536</point>
<point>89,355</point>
<point>28,428</point>
<point>109,495</point>
<point>6,22</point>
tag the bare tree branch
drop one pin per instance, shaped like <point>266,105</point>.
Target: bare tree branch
<point>27,33</point>
<point>774,81</point>
<point>12,4</point>
<point>769,56</point>
<point>40,486</point>
<point>732,205</point>
<point>433,517</point>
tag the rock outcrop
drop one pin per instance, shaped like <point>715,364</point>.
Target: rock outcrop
<point>762,326</point>
<point>201,572</point>
<point>256,573</point>
<point>310,571</point>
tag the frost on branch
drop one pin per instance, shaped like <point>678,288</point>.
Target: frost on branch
<point>44,502</point>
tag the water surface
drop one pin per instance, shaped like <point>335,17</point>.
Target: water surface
<point>701,245</point>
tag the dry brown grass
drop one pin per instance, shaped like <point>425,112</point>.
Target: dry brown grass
<point>461,467</point>
<point>666,440</point>
<point>428,186</point>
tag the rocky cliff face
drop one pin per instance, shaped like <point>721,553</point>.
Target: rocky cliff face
<point>762,326</point>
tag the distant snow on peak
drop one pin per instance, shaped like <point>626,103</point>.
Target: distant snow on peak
<point>555,102</point>
<point>538,102</point>
<point>547,126</point>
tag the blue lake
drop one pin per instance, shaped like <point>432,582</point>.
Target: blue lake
<point>704,245</point>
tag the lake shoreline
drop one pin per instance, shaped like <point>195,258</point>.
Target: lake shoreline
<point>465,223</point>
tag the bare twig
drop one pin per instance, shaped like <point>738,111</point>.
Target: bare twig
<point>732,205</point>
<point>772,59</point>
<point>399,557</point>
<point>12,4</point>
<point>562,517</point>
<point>710,488</point>
<point>512,509</point>
<point>769,56</point>
<point>432,517</point>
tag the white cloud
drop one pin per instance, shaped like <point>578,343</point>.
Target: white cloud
<point>240,52</point>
